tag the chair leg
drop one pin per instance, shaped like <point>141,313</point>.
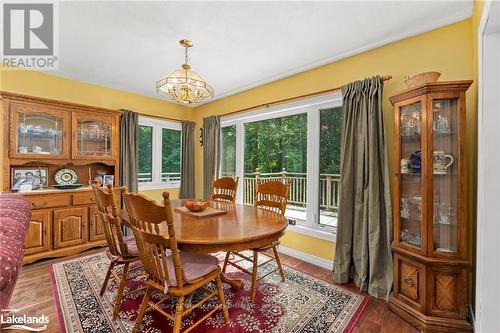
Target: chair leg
<point>221,299</point>
<point>278,261</point>
<point>179,310</point>
<point>254,274</point>
<point>119,295</point>
<point>142,311</point>
<point>106,280</point>
<point>226,260</point>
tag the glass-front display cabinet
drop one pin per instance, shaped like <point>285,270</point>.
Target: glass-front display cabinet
<point>38,133</point>
<point>94,137</point>
<point>431,259</point>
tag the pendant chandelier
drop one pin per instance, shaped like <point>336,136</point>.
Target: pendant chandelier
<point>184,85</point>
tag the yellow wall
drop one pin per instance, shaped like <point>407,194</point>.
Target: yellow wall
<point>447,50</point>
<point>157,194</point>
<point>48,86</point>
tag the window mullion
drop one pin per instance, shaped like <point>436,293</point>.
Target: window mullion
<point>312,167</point>
<point>157,149</point>
<point>240,159</point>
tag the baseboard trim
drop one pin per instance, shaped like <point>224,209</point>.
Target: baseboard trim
<point>323,263</point>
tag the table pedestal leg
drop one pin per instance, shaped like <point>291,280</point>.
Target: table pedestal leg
<point>235,283</point>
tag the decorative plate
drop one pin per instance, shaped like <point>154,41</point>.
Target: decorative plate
<point>66,176</point>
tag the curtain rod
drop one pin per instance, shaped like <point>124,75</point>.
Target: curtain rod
<point>157,117</point>
<point>384,78</point>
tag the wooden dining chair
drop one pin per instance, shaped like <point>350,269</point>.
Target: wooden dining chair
<point>224,189</point>
<point>273,196</point>
<point>174,273</point>
<point>121,250</point>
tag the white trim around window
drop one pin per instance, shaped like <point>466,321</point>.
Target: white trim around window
<point>311,106</point>
<point>158,125</point>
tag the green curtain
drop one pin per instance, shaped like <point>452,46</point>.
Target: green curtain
<point>187,164</point>
<point>362,250</point>
<point>211,151</point>
<point>129,123</point>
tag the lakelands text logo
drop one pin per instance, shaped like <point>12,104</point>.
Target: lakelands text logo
<point>9,320</point>
<point>29,35</point>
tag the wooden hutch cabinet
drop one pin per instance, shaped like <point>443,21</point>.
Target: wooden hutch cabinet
<point>52,135</point>
<point>431,258</point>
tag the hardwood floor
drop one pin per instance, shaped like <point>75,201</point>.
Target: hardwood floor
<point>33,295</point>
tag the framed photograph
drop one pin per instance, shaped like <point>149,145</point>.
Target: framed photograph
<point>38,176</point>
<point>99,178</point>
<point>108,178</point>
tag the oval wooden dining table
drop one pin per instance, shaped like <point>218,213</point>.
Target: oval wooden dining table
<point>242,227</point>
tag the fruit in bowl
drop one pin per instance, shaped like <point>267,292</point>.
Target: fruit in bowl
<point>196,205</point>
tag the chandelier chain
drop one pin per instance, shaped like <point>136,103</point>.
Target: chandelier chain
<point>186,55</point>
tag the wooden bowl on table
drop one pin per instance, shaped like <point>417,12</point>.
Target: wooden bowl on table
<point>196,205</point>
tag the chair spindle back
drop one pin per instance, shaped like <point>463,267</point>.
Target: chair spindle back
<point>110,216</point>
<point>272,195</point>
<point>224,189</point>
<point>145,218</point>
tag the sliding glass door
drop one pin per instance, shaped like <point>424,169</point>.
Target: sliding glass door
<point>299,142</point>
<point>329,165</point>
<point>276,149</point>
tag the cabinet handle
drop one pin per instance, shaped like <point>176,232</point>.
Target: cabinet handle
<point>92,199</point>
<point>45,231</point>
<point>41,205</point>
<point>409,281</point>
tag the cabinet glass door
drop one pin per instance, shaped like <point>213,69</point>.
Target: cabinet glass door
<point>39,133</point>
<point>410,132</point>
<point>93,138</point>
<point>445,179</point>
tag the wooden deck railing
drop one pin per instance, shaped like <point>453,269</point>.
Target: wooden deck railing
<point>144,177</point>
<point>329,187</point>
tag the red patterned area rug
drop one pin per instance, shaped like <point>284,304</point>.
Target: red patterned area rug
<point>302,303</point>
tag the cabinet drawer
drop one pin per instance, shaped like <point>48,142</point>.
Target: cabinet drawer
<point>85,198</point>
<point>409,281</point>
<point>49,201</point>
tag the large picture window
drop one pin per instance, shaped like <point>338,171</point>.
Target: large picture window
<point>298,142</point>
<point>159,151</point>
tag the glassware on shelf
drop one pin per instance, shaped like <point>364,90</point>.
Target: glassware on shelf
<point>94,138</point>
<point>441,125</point>
<point>410,126</point>
<point>445,183</point>
<point>414,239</point>
<point>39,133</point>
<point>405,208</point>
<point>410,238</point>
<point>443,212</point>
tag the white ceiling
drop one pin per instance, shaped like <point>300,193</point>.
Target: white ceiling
<point>237,45</point>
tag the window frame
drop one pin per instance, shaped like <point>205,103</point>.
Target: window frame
<point>311,107</point>
<point>156,148</point>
